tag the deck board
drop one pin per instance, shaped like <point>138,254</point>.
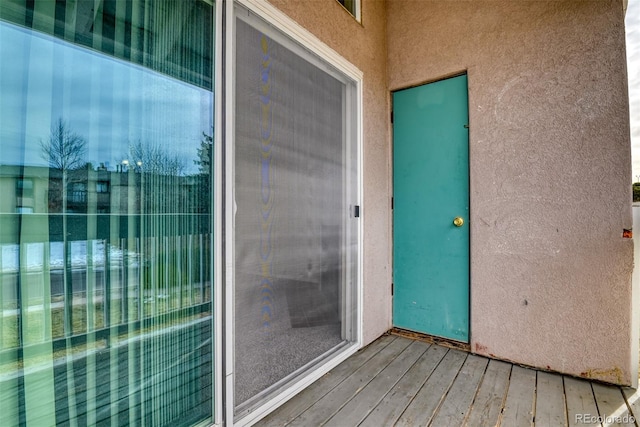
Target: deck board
<point>329,404</point>
<point>399,397</point>
<point>519,406</point>
<point>396,381</point>
<point>424,405</point>
<point>550,405</point>
<point>632,396</point>
<point>457,403</point>
<point>294,407</point>
<point>611,405</point>
<point>359,407</point>
<point>580,400</point>
<point>489,401</point>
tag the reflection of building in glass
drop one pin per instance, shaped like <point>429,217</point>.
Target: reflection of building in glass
<point>111,271</point>
<point>116,222</point>
<point>36,189</point>
<point>20,193</point>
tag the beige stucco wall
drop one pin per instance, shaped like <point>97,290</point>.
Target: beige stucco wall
<point>550,171</point>
<point>364,46</point>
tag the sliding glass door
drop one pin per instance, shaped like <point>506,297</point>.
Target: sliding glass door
<point>107,189</point>
<point>106,177</point>
<point>294,211</point>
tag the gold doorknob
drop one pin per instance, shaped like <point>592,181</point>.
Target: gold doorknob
<point>458,221</point>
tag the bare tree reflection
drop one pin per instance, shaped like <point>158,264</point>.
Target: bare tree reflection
<point>154,159</point>
<point>65,151</point>
<point>205,155</point>
<point>205,175</point>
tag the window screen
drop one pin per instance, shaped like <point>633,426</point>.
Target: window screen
<point>294,225</point>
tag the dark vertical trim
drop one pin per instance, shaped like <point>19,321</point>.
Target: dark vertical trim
<point>28,16</point>
<point>68,282</point>
<point>124,386</point>
<point>108,26</point>
<point>58,24</point>
<point>22,413</point>
<point>124,303</point>
<point>127,31</point>
<point>106,290</point>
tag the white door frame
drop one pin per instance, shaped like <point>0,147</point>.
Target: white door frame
<point>226,313</point>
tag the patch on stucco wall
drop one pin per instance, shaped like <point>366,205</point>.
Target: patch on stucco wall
<point>613,375</point>
<point>479,348</point>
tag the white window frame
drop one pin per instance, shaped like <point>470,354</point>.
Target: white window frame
<point>218,215</point>
<point>357,9</point>
<point>286,25</point>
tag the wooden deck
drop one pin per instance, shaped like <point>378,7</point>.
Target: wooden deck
<point>396,381</point>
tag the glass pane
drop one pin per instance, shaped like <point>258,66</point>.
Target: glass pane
<point>106,136</point>
<point>292,184</point>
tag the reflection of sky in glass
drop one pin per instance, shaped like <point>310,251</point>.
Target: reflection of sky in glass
<point>109,102</point>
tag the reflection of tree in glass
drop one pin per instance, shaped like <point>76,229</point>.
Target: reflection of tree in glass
<point>64,150</point>
<point>205,166</point>
<point>205,155</point>
<point>163,183</point>
<point>154,159</point>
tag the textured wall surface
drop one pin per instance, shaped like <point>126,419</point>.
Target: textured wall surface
<point>364,46</point>
<point>550,171</point>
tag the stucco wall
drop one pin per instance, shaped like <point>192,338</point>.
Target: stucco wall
<point>550,171</point>
<point>364,45</point>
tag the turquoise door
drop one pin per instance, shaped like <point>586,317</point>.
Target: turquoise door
<point>431,209</point>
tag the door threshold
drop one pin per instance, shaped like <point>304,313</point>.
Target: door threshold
<point>431,339</point>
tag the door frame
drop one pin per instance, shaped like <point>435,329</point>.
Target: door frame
<point>470,222</point>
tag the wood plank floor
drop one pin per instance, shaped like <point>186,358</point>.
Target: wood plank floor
<point>396,381</point>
